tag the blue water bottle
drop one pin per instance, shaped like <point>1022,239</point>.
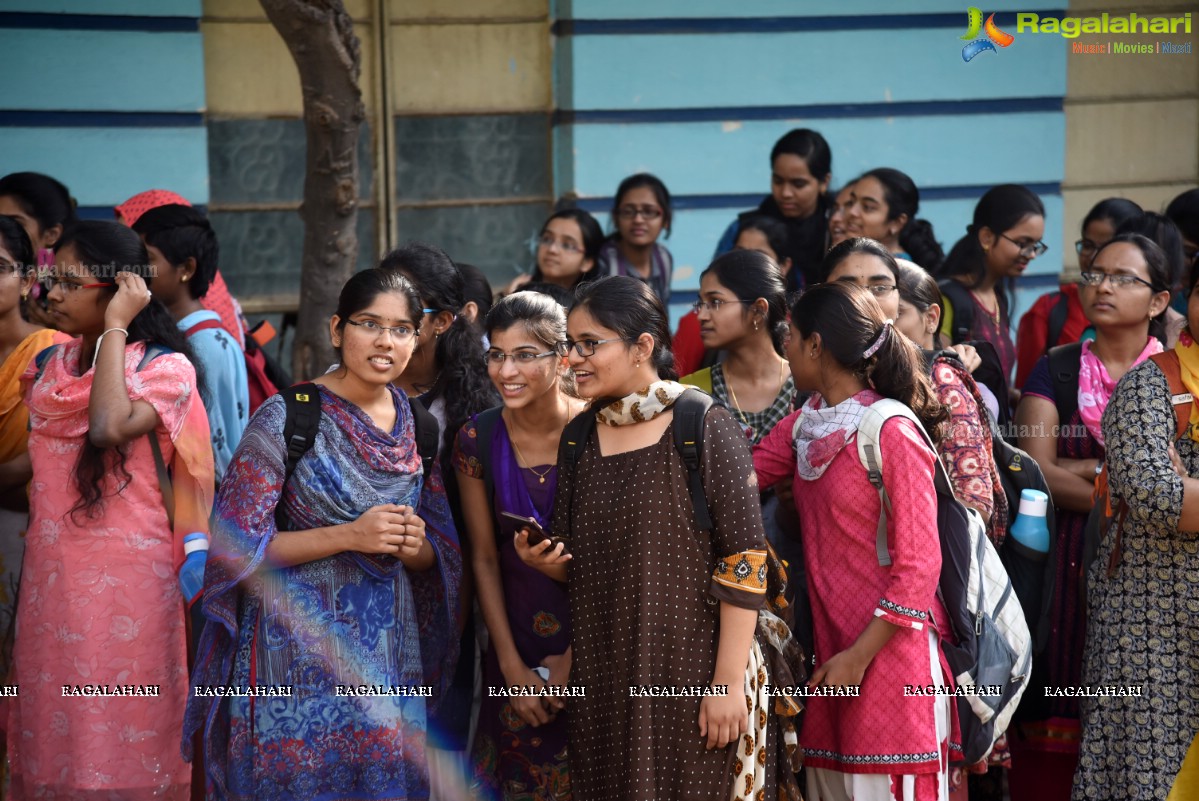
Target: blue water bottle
<point>1031,529</point>
<point>191,574</point>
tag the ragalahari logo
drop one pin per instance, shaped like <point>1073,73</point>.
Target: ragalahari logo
<point>994,35</point>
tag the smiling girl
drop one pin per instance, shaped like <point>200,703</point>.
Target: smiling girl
<point>641,213</point>
<point>567,251</point>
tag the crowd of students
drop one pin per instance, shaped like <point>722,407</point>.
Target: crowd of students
<point>502,550</point>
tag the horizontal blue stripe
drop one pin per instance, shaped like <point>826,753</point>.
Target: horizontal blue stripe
<point>639,9</point>
<point>105,166</point>
<point>106,212</point>
<point>781,24</point>
<point>99,22</point>
<point>119,71</point>
<point>1006,105</point>
<point>707,159</point>
<point>800,70</point>
<point>600,205</point>
<point>121,8</point>
<point>98,119</point>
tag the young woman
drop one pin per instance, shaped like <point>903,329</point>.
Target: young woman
<point>883,206</point>
<point>568,249</point>
<point>183,251</point>
<point>1098,228</point>
<point>44,207</point>
<point>837,230</point>
<point>1162,231</point>
<point>20,341</point>
<point>1143,587</point>
<point>641,213</point>
<point>872,623</point>
<point>520,743</point>
<point>801,166</point>
<point>1009,222</point>
<point>446,373</point>
<point>653,600</point>
<point>1125,294</point>
<point>765,235</point>
<point>359,589</point>
<point>100,555</point>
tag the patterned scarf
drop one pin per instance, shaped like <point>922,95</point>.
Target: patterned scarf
<point>1095,386</point>
<point>1188,364</point>
<point>642,405</point>
<point>822,431</point>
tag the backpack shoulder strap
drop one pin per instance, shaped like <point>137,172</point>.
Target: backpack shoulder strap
<point>427,432</point>
<point>869,439</point>
<point>485,423</point>
<point>300,426</point>
<point>41,360</point>
<point>153,351</point>
<point>959,314</point>
<point>1063,369</point>
<point>688,430</point>
<point>1180,396</point>
<point>1057,320</point>
<point>203,325</point>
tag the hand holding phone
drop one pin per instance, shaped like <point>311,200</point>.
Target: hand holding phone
<point>536,533</point>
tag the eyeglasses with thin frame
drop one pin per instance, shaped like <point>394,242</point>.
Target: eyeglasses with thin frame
<point>547,241</point>
<point>48,283</point>
<point>400,333</point>
<point>1085,247</point>
<point>632,212</point>
<point>1118,280</point>
<point>1031,249</point>
<point>586,347</point>
<point>522,358</point>
<point>713,305</point>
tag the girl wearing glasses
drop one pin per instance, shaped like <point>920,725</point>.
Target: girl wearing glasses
<point>1143,588</point>
<point>980,272</point>
<point>103,546</point>
<point>654,601</point>
<point>1165,234</point>
<point>871,623</point>
<point>1057,318</point>
<point>44,207</point>
<point>641,212</point>
<point>520,742</point>
<point>568,249</point>
<point>344,575</point>
<point>1125,294</point>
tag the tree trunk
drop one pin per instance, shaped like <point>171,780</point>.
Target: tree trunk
<point>320,36</point>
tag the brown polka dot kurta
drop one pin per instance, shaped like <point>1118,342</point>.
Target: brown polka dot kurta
<point>645,608</point>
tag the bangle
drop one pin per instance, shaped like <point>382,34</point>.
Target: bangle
<point>100,341</point>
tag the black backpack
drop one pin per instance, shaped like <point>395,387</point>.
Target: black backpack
<point>303,420</point>
<point>1032,574</point>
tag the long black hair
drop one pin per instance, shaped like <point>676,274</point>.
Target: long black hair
<point>849,320</point>
<point>462,380</point>
<point>903,197</point>
<point>106,248</point>
<point>750,274</point>
<point>1001,209</point>
<point>630,308</point>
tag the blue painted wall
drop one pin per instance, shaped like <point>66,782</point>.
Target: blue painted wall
<point>699,101</point>
<point>111,101</point>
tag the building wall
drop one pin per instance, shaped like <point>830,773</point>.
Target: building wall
<point>106,97</point>
<point>1132,122</point>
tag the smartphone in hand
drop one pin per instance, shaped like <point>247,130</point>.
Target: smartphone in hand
<point>536,532</point>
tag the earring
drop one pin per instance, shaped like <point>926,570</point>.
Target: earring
<point>756,326</point>
<point>24,296</point>
<point>184,279</point>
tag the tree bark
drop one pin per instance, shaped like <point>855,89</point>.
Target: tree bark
<point>320,36</point>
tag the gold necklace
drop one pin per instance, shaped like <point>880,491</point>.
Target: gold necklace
<point>520,457</point>
<point>733,396</point>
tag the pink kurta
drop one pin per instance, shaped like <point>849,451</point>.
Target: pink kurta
<point>100,603</point>
<point>882,731</point>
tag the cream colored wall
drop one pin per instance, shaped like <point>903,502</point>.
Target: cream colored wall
<point>1132,122</point>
